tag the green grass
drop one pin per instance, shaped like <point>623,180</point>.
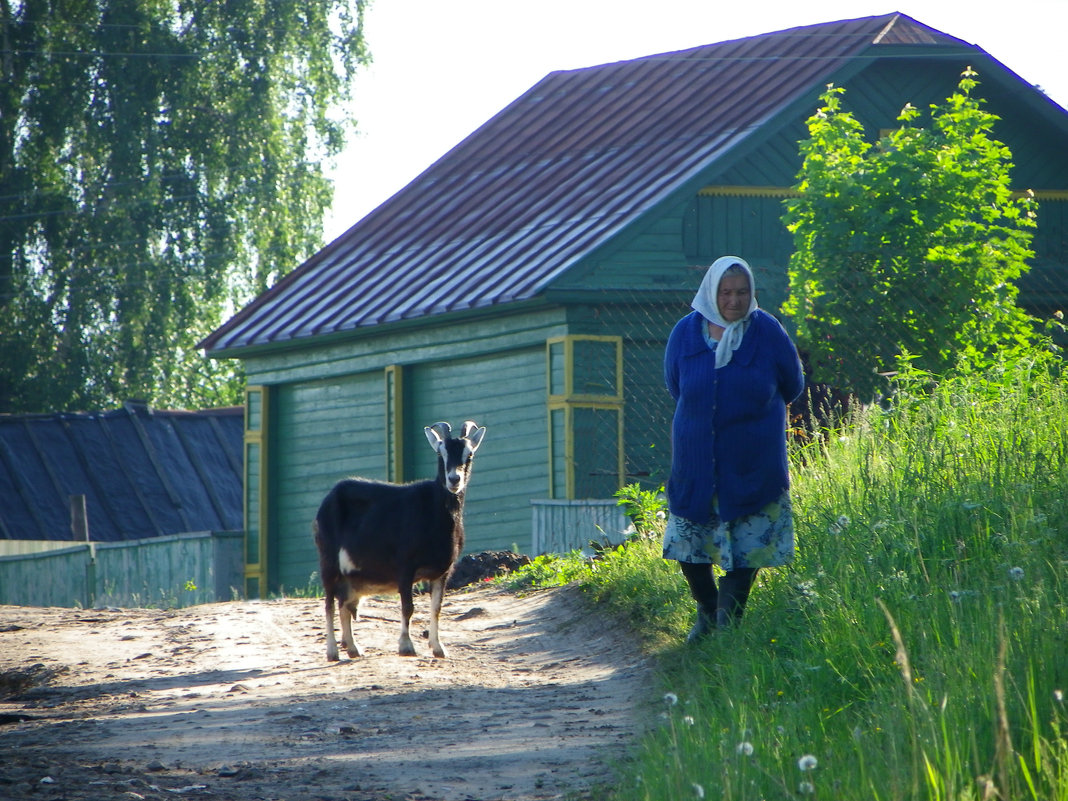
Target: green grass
<point>917,648</point>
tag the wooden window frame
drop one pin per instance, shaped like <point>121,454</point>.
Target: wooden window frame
<point>394,427</point>
<point>256,436</point>
<point>569,401</point>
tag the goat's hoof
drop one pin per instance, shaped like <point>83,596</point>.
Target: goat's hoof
<point>332,656</point>
<point>355,652</point>
<point>440,653</point>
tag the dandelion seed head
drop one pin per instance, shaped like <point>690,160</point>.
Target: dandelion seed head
<point>1058,696</point>
<point>671,699</point>
<point>744,748</point>
<point>1016,573</point>
<point>688,720</point>
<point>807,762</point>
<point>954,596</point>
<point>698,790</point>
<point>806,788</point>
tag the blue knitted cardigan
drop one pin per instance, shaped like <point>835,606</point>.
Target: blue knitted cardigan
<point>728,434</point>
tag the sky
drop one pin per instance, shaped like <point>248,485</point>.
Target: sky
<point>443,67</point>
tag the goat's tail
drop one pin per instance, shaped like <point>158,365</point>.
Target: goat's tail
<point>319,536</point>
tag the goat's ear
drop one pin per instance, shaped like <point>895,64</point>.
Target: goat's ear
<point>434,436</point>
<point>443,429</point>
<point>474,438</point>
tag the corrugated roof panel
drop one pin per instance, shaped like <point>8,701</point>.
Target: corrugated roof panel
<point>553,175</point>
<point>143,473</point>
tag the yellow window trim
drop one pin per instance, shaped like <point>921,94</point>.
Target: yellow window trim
<point>394,428</point>
<point>569,401</point>
<point>256,571</point>
<point>569,395</point>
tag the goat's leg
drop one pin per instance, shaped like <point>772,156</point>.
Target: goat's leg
<point>345,612</point>
<point>437,592</point>
<point>405,647</point>
<point>348,608</point>
<point>331,643</point>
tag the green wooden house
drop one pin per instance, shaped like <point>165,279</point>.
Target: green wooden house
<point>529,278</point>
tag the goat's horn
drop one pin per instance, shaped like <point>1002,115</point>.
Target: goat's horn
<point>443,429</point>
<point>468,427</point>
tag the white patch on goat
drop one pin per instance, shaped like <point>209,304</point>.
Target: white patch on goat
<point>344,561</point>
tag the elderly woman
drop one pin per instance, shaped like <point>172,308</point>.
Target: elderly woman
<point>731,369</point>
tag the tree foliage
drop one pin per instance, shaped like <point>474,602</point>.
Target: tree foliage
<point>909,248</point>
<point>160,163</point>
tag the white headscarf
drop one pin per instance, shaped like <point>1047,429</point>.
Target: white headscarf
<point>706,302</point>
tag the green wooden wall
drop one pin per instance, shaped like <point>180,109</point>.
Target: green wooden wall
<point>328,419</point>
<point>506,393</point>
<point>320,431</point>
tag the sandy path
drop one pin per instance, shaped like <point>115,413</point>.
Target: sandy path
<point>537,699</point>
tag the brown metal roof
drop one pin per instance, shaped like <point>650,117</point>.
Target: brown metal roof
<point>555,174</point>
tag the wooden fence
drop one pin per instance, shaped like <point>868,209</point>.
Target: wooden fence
<point>560,526</point>
<point>170,571</point>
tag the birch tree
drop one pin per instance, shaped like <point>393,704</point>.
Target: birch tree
<point>161,162</point>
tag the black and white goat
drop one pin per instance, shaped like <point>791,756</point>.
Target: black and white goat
<point>375,537</point>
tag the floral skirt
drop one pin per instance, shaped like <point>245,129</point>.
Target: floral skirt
<point>762,539</point>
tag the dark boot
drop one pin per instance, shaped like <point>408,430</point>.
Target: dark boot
<point>734,590</point>
<point>703,589</point>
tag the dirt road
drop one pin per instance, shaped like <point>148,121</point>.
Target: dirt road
<point>538,699</point>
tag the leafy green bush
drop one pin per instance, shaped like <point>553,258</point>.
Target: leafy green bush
<point>911,246</point>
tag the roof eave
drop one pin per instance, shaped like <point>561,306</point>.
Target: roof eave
<point>384,328</point>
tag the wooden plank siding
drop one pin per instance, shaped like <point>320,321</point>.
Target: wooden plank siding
<point>409,342</point>
<point>506,393</point>
<point>321,431</point>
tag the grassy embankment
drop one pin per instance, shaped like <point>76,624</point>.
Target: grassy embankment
<point>917,648</point>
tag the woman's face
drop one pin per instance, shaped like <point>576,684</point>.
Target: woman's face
<point>733,297</point>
